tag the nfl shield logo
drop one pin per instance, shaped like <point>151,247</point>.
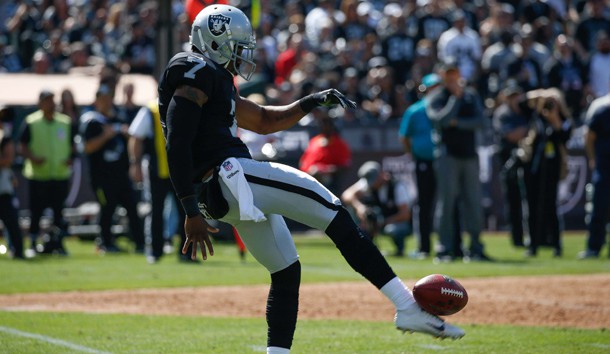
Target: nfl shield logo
<point>217,24</point>
<point>227,166</point>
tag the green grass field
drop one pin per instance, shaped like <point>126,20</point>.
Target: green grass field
<point>31,332</point>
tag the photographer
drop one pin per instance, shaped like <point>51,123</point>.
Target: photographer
<point>510,122</point>
<point>544,152</point>
<point>381,204</point>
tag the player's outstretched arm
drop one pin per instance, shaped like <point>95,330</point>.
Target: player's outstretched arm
<point>271,119</point>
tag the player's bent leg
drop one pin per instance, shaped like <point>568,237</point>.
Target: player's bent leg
<point>358,250</point>
<point>366,259</point>
<point>280,189</point>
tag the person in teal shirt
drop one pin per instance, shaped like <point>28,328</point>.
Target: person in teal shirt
<point>415,133</point>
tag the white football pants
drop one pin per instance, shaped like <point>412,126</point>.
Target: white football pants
<point>279,190</point>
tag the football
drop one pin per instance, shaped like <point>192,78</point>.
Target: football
<point>440,294</point>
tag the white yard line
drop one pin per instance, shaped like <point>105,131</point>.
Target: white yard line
<point>50,340</point>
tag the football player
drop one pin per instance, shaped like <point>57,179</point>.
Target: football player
<point>215,177</point>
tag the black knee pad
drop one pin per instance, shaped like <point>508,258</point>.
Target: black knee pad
<point>283,305</point>
<point>358,250</point>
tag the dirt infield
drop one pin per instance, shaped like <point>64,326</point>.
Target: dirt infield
<point>560,301</point>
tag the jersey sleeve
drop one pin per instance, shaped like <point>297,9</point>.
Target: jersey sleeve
<point>191,70</point>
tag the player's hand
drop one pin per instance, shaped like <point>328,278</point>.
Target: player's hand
<point>197,229</point>
<point>333,97</point>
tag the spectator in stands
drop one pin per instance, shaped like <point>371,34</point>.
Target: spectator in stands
<point>317,18</point>
<point>416,136</point>
<point>511,122</point>
<point>139,55</point>
<point>9,60</point>
<point>536,50</point>
<point>381,204</point>
<point>423,64</point>
<point>567,72</point>
<point>55,15</point>
<point>593,22</point>
<point>457,115</point>
<point>80,61</point>
<point>500,20</point>
<point>46,144</point>
<point>355,26</point>
<point>41,63</point>
<point>384,101</point>
<point>525,68</point>
<point>327,155</point>
<point>534,9</point>
<point>470,13</point>
<point>56,47</point>
<point>494,63</point>
<point>599,66</point>
<point>8,212</point>
<point>290,58</point>
<point>23,27</point>
<point>461,44</point>
<point>105,144</point>
<point>432,21</point>
<point>113,28</point>
<point>597,146</point>
<point>398,43</point>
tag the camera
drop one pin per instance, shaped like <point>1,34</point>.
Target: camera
<point>549,104</point>
<point>374,216</point>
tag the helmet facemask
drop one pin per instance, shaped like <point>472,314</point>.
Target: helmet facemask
<point>240,57</point>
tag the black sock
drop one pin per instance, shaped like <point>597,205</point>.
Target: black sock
<point>283,305</point>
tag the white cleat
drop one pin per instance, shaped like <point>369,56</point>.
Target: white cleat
<point>415,319</point>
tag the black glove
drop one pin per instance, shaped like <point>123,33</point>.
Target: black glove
<point>325,98</point>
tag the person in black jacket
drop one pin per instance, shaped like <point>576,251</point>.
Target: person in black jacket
<point>567,72</point>
<point>456,112</point>
<point>105,144</point>
<point>511,124</point>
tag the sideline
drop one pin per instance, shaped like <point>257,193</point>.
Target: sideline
<point>51,340</point>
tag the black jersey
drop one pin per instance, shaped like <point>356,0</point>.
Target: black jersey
<point>110,162</point>
<point>216,138</point>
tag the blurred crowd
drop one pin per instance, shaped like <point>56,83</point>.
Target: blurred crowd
<point>533,65</point>
<point>375,51</point>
